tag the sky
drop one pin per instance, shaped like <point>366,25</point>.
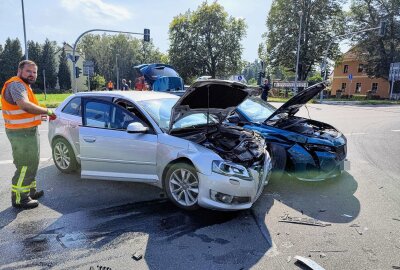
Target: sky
<point>64,20</point>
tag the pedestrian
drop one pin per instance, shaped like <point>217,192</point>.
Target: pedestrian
<point>22,115</point>
<point>140,83</point>
<point>124,86</point>
<point>110,85</point>
<point>266,87</point>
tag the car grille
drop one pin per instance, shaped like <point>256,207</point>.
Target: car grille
<point>341,152</point>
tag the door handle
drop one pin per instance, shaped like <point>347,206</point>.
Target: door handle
<point>89,139</point>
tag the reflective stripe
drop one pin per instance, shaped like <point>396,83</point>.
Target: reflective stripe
<point>19,184</point>
<point>23,121</point>
<point>13,112</point>
<point>33,184</point>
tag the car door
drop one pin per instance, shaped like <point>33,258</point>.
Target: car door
<point>108,151</point>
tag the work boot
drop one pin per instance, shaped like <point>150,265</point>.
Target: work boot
<point>26,203</point>
<point>36,194</point>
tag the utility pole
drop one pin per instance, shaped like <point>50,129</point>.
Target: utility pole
<point>117,69</point>
<point>298,52</point>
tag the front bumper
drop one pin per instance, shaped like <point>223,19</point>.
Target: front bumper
<point>246,192</point>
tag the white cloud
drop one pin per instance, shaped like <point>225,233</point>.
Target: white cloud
<point>97,10</point>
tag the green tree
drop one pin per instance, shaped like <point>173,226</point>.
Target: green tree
<point>10,57</point>
<point>64,74</point>
<point>206,42</point>
<point>97,82</point>
<point>321,20</point>
<point>48,64</point>
<point>378,52</point>
<point>35,54</point>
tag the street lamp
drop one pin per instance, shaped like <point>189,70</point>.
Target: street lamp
<point>298,52</point>
<point>23,21</point>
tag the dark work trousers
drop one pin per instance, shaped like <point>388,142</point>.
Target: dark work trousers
<point>25,145</point>
<point>264,95</point>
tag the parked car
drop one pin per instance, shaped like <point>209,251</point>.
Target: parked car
<point>307,149</point>
<point>178,144</point>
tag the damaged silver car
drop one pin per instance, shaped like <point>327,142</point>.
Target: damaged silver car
<point>178,144</point>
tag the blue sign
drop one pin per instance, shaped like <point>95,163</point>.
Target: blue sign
<point>350,77</point>
<point>240,77</point>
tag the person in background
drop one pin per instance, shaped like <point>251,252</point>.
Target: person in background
<point>266,87</point>
<point>140,83</point>
<point>110,85</point>
<point>22,115</point>
<point>124,85</point>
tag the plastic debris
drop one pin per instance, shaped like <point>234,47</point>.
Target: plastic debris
<point>137,256</point>
<point>310,263</point>
<point>398,219</point>
<point>346,215</point>
<point>358,231</point>
<point>395,267</point>
<point>305,221</point>
<point>354,225</point>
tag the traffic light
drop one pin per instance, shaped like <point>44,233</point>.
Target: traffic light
<point>78,72</point>
<point>146,35</point>
<point>382,28</point>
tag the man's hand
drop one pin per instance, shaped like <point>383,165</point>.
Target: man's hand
<point>51,114</point>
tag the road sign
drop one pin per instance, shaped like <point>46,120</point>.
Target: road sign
<point>290,84</point>
<point>394,72</point>
<point>88,68</point>
<point>350,77</point>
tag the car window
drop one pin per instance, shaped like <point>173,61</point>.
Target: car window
<point>256,110</point>
<point>73,107</point>
<point>107,115</point>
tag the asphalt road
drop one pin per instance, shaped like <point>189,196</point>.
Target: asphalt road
<point>86,223</point>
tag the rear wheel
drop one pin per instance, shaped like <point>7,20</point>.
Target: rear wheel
<point>63,156</point>
<point>182,186</point>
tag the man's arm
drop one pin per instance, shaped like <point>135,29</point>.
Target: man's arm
<point>30,107</point>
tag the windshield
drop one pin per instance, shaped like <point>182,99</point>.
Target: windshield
<point>256,110</point>
<point>160,111</point>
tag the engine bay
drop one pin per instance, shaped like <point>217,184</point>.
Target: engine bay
<point>307,127</point>
<point>232,143</point>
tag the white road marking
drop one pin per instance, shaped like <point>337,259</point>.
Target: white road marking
<point>10,161</point>
<point>355,133</point>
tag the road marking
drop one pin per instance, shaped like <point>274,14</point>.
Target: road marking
<point>10,161</point>
<point>396,130</point>
<point>355,133</point>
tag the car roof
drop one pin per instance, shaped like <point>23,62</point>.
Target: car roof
<point>133,95</point>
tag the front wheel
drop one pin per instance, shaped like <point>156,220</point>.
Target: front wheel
<point>182,186</point>
<point>63,156</point>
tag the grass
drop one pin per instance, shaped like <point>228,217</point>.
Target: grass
<point>51,100</point>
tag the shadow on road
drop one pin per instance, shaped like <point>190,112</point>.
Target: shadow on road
<point>106,220</point>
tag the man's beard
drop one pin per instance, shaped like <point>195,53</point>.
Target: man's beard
<point>28,81</point>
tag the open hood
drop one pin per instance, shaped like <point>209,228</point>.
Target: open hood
<point>292,106</point>
<point>160,76</point>
<point>217,97</point>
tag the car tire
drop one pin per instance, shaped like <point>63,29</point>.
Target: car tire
<point>278,157</point>
<point>181,185</point>
<point>64,156</point>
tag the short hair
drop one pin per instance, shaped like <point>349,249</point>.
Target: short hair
<point>24,63</point>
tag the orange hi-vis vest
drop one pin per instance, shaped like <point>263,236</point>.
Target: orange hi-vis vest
<point>14,117</point>
<point>110,85</point>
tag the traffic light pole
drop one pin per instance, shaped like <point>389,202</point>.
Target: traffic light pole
<point>325,64</point>
<point>74,60</point>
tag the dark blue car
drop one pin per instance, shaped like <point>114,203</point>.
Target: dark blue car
<point>307,149</point>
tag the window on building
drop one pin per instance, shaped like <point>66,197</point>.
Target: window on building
<point>346,69</point>
<point>343,86</point>
<point>358,87</point>
<point>360,67</point>
<point>374,87</point>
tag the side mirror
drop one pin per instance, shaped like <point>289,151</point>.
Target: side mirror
<point>136,127</point>
<point>233,119</point>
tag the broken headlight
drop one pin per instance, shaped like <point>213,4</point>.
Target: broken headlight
<point>230,169</point>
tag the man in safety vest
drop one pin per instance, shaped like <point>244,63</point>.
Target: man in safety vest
<point>22,115</point>
<point>110,85</point>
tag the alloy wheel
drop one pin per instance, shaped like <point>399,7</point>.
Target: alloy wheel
<point>184,187</point>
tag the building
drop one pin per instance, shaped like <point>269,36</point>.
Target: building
<point>81,81</point>
<point>349,76</point>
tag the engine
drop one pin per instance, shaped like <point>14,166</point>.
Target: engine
<point>232,143</point>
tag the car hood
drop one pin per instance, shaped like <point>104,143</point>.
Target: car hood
<point>292,106</point>
<point>217,97</point>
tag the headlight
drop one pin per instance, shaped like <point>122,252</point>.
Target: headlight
<point>318,147</point>
<point>230,169</point>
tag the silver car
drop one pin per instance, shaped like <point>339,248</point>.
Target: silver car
<point>178,144</point>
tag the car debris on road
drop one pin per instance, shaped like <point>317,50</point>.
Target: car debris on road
<point>304,221</point>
